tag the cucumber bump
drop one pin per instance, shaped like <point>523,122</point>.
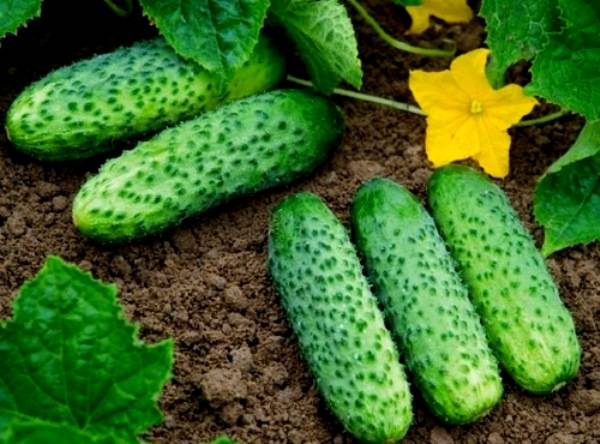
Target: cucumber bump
<point>240,148</point>
<point>415,279</point>
<point>335,316</point>
<point>529,328</point>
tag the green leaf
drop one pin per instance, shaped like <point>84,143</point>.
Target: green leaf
<point>68,356</point>
<point>224,440</point>
<point>517,30</point>
<point>567,197</point>
<point>325,38</point>
<point>39,432</point>
<point>218,34</point>
<point>15,13</point>
<point>566,71</point>
<point>408,2</point>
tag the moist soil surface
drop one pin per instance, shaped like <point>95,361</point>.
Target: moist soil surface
<point>237,368</point>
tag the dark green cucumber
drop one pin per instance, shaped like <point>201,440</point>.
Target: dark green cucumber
<point>250,145</point>
<point>529,328</point>
<point>335,316</point>
<point>431,315</point>
<point>77,111</point>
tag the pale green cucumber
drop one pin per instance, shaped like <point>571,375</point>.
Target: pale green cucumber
<point>436,325</point>
<point>335,316</point>
<point>529,328</point>
<point>79,110</point>
<point>243,147</point>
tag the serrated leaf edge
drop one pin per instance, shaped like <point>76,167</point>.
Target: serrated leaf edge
<point>14,32</point>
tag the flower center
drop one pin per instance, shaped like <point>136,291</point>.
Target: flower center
<point>476,107</point>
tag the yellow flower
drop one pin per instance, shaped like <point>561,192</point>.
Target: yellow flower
<point>466,117</point>
<point>451,11</point>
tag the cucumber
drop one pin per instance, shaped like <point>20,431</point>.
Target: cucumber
<point>529,328</point>
<point>77,111</point>
<point>428,306</point>
<point>335,316</point>
<point>246,146</point>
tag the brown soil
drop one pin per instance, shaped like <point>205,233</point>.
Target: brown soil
<point>237,367</point>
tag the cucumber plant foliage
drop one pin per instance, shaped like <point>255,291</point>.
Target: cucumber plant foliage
<point>220,35</point>
<point>15,13</point>
<point>224,439</point>
<point>561,40</point>
<point>72,369</point>
<point>324,35</point>
<point>408,2</point>
<point>567,198</point>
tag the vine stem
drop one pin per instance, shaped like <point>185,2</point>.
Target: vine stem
<point>398,44</point>
<point>402,106</point>
<point>120,11</point>
<point>365,97</point>
<point>544,119</point>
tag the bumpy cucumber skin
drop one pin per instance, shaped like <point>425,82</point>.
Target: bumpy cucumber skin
<point>415,279</point>
<point>529,328</point>
<point>246,146</point>
<point>335,316</point>
<point>77,111</point>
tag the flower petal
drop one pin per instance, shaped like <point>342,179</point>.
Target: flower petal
<point>509,105</point>
<point>437,91</point>
<point>419,16</point>
<point>468,71</point>
<point>451,11</point>
<point>450,137</point>
<point>495,146</point>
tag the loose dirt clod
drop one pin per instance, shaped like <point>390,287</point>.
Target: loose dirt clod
<point>221,386</point>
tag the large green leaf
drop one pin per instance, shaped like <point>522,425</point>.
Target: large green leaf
<point>68,357</point>
<point>14,13</point>
<point>566,71</point>
<point>224,440</point>
<point>325,38</point>
<point>408,2</point>
<point>218,34</point>
<point>517,30</point>
<point>39,432</point>
<point>567,197</point>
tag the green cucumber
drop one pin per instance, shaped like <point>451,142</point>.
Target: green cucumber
<point>529,328</point>
<point>246,146</point>
<point>436,325</point>
<point>335,316</point>
<point>77,111</point>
